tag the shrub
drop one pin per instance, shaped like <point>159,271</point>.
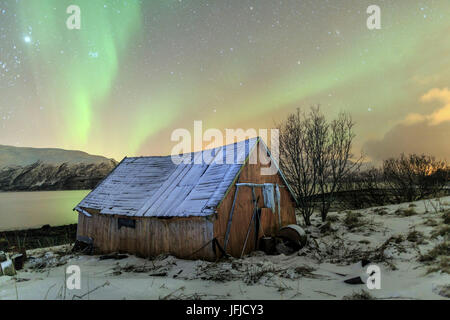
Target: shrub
<point>362,295</point>
<point>325,227</point>
<point>443,265</point>
<point>413,177</point>
<point>380,211</point>
<point>352,220</point>
<point>446,217</point>
<point>431,223</point>
<point>406,212</point>
<point>332,218</point>
<point>4,244</point>
<point>415,236</point>
<point>443,232</point>
<point>442,249</point>
<point>443,290</point>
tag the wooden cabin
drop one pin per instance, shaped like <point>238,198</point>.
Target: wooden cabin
<point>193,210</point>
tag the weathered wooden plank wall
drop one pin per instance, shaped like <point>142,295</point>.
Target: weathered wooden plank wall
<point>244,209</point>
<point>181,237</point>
<point>190,237</point>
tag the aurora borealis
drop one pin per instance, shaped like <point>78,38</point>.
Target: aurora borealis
<point>137,70</point>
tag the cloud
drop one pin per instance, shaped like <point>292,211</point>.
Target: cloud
<point>418,132</point>
<point>440,115</point>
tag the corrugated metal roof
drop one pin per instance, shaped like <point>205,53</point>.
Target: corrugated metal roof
<point>157,187</point>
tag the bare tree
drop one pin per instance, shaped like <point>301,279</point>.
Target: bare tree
<point>296,149</point>
<point>335,161</point>
<point>316,157</point>
<point>415,177</point>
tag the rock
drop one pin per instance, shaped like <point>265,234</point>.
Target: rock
<point>159,274</point>
<point>356,280</point>
<point>7,268</point>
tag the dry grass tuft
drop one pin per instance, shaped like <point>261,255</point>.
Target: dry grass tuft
<point>362,295</point>
<point>255,273</point>
<point>415,236</point>
<point>442,231</point>
<point>442,265</point>
<point>443,290</point>
<point>353,220</point>
<point>4,243</point>
<point>381,211</point>
<point>406,212</point>
<point>332,218</point>
<point>446,216</point>
<point>442,249</point>
<point>431,222</point>
<point>305,271</point>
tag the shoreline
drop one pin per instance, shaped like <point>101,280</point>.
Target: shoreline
<point>56,190</point>
<point>34,238</point>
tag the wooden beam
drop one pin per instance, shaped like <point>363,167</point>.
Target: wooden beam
<point>227,234</point>
<point>255,209</point>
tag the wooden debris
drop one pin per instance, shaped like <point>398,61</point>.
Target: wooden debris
<point>7,268</point>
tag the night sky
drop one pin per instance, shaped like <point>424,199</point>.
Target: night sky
<point>137,70</point>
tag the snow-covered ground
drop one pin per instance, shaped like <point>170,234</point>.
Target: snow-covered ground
<point>397,238</point>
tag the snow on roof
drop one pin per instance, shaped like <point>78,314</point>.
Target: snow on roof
<point>158,187</point>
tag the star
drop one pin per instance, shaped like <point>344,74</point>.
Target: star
<point>27,39</point>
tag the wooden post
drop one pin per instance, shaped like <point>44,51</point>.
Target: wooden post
<point>227,234</point>
<point>255,210</point>
<point>248,232</point>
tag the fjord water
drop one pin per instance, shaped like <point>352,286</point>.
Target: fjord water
<point>23,210</point>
